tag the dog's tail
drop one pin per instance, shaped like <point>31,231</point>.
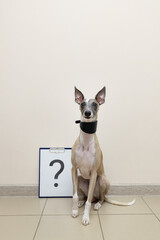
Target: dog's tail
<point>114,202</point>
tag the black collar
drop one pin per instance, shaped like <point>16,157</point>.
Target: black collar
<point>88,127</point>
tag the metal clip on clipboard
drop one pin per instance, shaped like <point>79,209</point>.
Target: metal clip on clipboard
<point>57,150</point>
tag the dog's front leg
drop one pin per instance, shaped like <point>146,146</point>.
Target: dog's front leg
<point>85,219</point>
<point>75,194</point>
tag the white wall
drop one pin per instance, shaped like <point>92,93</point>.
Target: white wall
<point>46,48</point>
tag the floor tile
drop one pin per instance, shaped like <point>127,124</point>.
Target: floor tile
<point>124,227</point>
<point>56,206</point>
<point>153,202</point>
<point>18,227</point>
<point>158,216</point>
<point>139,207</point>
<point>21,206</point>
<point>66,227</point>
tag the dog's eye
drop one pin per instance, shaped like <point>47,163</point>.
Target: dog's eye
<point>83,104</point>
<point>95,105</point>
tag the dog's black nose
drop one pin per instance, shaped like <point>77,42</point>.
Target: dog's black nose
<point>87,113</point>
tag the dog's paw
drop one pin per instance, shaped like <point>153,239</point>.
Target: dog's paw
<point>97,206</point>
<point>74,213</point>
<point>85,220</point>
<point>81,203</point>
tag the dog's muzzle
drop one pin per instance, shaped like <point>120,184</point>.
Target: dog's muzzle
<point>88,127</point>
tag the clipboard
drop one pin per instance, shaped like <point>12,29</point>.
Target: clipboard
<point>55,180</point>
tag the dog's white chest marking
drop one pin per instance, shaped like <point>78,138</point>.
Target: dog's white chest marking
<point>85,155</point>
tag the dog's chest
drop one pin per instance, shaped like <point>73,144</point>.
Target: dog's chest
<point>85,159</point>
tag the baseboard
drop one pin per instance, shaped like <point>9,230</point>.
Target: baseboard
<point>135,190</point>
<point>114,190</point>
<point>18,191</point>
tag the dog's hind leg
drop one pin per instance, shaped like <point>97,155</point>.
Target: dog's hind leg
<point>103,186</point>
<point>82,198</point>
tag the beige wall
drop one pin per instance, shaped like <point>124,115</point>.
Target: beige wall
<point>46,48</point>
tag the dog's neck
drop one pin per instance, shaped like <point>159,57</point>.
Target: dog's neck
<point>86,139</point>
<point>87,132</point>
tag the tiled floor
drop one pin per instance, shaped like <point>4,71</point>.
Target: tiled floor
<point>50,219</point>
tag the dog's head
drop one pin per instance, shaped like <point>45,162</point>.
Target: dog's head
<point>89,107</point>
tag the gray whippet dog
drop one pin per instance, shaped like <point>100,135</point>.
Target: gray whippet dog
<point>89,181</point>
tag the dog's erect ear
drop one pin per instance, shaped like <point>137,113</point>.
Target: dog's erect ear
<point>100,97</point>
<point>78,96</point>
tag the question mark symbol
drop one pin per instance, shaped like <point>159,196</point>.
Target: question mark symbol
<point>60,170</point>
